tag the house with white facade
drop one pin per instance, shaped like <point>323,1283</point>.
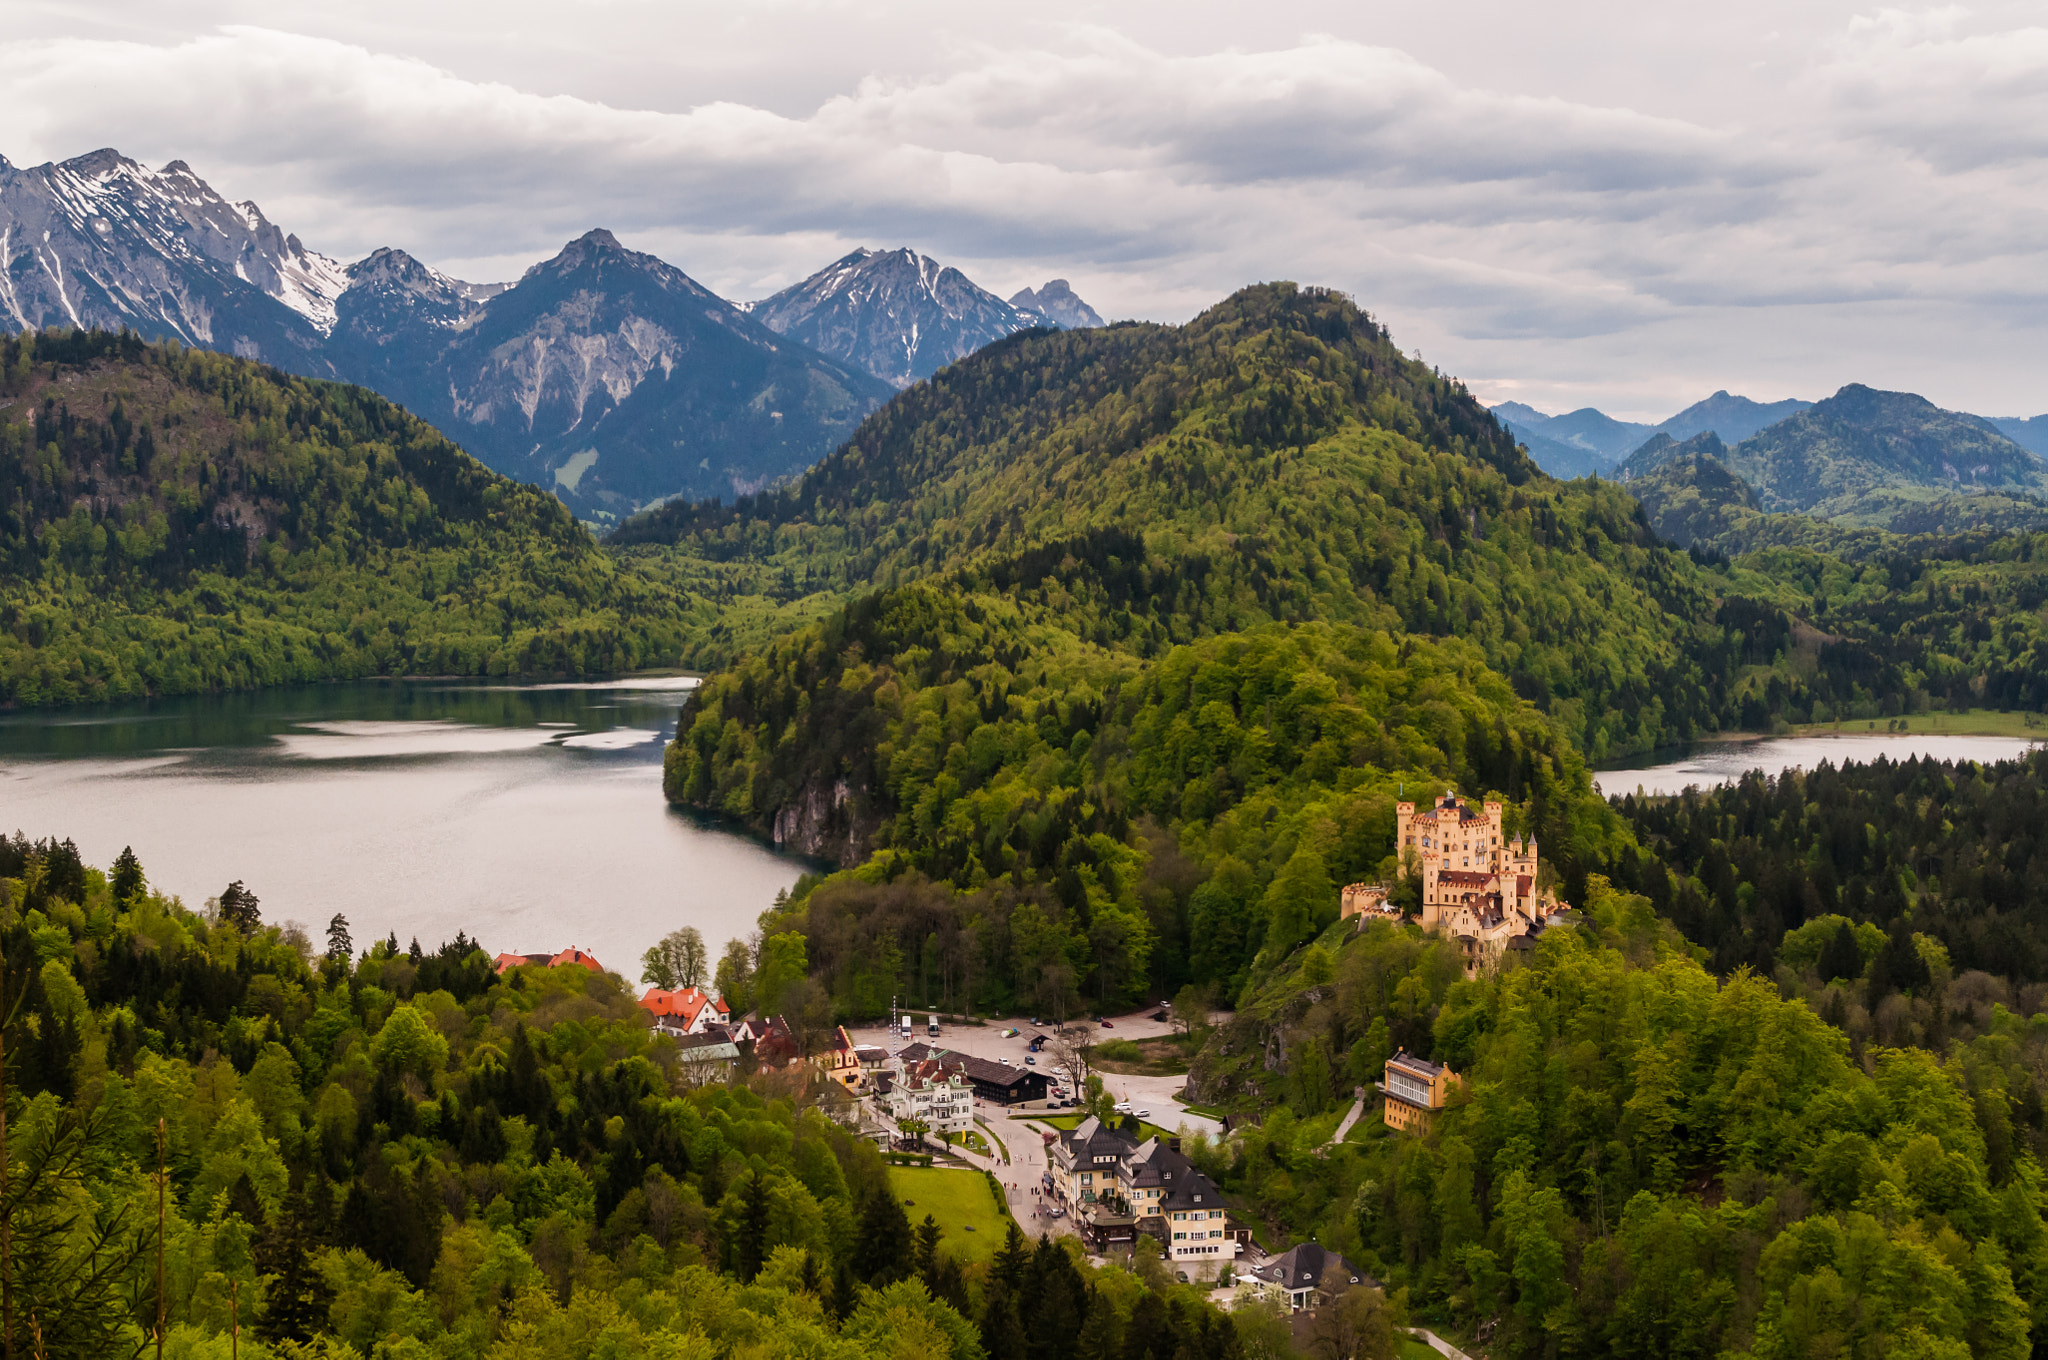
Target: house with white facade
<point>939,1093</point>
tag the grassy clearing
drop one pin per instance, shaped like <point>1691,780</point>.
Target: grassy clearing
<point>957,1201</point>
<point>1976,722</point>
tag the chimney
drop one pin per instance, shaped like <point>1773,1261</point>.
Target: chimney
<point>1173,1143</point>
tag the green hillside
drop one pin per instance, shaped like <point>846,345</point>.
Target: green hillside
<point>177,521</point>
<point>1277,459</point>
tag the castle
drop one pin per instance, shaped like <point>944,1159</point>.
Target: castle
<point>1478,886</point>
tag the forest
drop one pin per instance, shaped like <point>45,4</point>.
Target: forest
<point>1905,898</point>
<point>174,521</point>
<point>1643,1158</point>
<point>229,1137</point>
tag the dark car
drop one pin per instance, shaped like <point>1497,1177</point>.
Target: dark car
<point>1107,1025</point>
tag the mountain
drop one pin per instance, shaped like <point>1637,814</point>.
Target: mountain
<point>182,521</point>
<point>1734,419</point>
<point>1056,305</point>
<point>896,314</point>
<point>1661,448</point>
<point>1077,507</point>
<point>609,375</point>
<point>102,242</point>
<point>393,308</point>
<point>1863,454</point>
<point>1580,443</point>
<point>2031,435</point>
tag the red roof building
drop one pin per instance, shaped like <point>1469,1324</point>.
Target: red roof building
<point>685,1010</point>
<point>573,955</point>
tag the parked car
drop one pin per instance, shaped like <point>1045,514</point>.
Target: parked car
<point>1122,1107</point>
<point>1031,1060</point>
<point>1144,1114</point>
<point>1035,1021</point>
<point>1107,1025</point>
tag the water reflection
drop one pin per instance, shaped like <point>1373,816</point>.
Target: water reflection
<point>1726,762</point>
<point>529,815</point>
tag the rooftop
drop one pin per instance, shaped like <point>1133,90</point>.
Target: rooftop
<point>1420,1066</point>
<point>1304,1265</point>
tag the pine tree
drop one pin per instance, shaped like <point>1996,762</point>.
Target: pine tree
<point>128,881</point>
<point>295,1304</point>
<point>1841,959</point>
<point>238,908</point>
<point>339,945</point>
<point>885,1238</point>
<point>751,1241</point>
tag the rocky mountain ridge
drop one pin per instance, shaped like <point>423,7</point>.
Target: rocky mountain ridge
<point>606,375</point>
<point>903,316</point>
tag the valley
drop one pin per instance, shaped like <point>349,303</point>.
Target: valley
<point>1092,671</point>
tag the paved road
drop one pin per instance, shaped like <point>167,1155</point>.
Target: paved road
<point>1160,1095</point>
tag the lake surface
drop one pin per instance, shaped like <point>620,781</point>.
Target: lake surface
<point>529,815</point>
<point>1726,762</point>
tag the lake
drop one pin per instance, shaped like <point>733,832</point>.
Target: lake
<point>530,816</point>
<point>1726,762</point>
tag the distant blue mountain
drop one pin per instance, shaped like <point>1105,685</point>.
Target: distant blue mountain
<point>2031,435</point>
<point>1588,441</point>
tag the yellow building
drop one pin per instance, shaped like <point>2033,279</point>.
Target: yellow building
<point>1415,1090</point>
<point>840,1061</point>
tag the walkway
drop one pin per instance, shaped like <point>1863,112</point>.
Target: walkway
<point>1357,1110</point>
<point>1437,1344</point>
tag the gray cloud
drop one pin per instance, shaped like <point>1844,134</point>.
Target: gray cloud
<point>1537,240</point>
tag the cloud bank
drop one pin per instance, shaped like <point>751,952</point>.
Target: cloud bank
<point>1882,222</point>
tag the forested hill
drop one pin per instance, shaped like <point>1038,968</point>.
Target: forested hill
<point>175,520</point>
<point>1276,459</point>
<point>1168,618</point>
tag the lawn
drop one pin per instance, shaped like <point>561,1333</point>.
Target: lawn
<point>957,1200</point>
<point>1069,1121</point>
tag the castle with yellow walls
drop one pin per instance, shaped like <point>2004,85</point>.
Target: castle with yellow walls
<point>1478,886</point>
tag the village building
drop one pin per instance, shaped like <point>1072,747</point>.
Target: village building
<point>1117,1188</point>
<point>774,1044</point>
<point>1479,886</point>
<point>998,1082</point>
<point>1305,1276</point>
<point>840,1061</point>
<point>705,1058</point>
<point>1415,1091</point>
<point>685,1010</point>
<point>929,1089</point>
<point>570,956</point>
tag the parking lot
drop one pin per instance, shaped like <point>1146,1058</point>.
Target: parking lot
<point>1160,1095</point>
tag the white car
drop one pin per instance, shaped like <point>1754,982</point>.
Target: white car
<point>1144,1114</point>
<point>1123,1107</point>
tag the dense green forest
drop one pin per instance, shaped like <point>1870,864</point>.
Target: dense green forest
<point>1914,865</point>
<point>1643,1159</point>
<point>174,521</point>
<point>394,1153</point>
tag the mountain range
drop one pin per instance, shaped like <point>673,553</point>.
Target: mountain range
<point>1589,441</point>
<point>605,374</point>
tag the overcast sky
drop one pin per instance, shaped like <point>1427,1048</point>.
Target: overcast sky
<point>1604,203</point>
